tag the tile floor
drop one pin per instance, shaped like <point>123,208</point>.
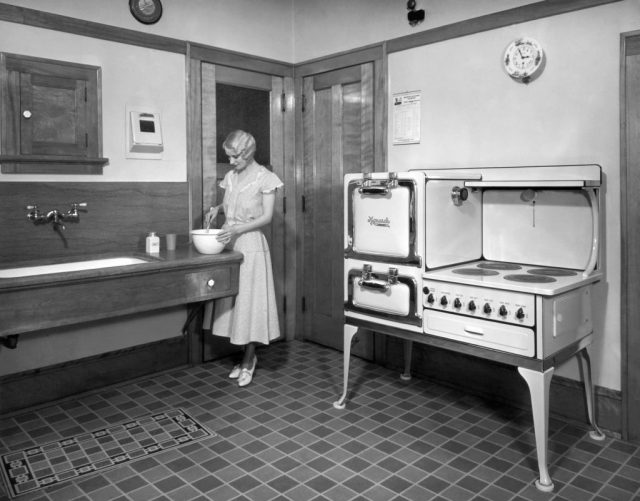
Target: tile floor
<point>281,439</point>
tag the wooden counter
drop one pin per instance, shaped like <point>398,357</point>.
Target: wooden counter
<point>173,277</point>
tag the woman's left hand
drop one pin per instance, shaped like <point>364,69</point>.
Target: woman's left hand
<point>227,233</point>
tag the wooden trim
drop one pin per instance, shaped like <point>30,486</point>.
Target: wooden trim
<point>629,255</point>
<point>194,142</point>
<point>240,60</point>
<point>66,24</point>
<point>25,389</point>
<point>338,61</point>
<point>525,13</point>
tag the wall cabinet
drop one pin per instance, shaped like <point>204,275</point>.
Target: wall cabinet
<point>50,120</point>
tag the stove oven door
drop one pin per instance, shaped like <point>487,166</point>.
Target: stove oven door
<point>379,293</point>
<point>384,214</point>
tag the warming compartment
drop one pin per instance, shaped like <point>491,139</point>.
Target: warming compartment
<point>384,217</point>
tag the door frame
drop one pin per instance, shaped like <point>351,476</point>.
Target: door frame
<point>196,55</point>
<point>630,255</point>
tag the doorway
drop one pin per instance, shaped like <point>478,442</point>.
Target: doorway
<point>223,98</point>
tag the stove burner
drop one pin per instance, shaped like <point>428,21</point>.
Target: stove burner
<point>529,278</point>
<point>475,271</point>
<point>552,272</point>
<point>493,265</point>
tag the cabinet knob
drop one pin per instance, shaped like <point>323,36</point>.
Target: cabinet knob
<point>26,114</point>
<point>210,283</point>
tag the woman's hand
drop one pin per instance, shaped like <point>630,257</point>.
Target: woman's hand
<point>210,217</point>
<point>227,233</point>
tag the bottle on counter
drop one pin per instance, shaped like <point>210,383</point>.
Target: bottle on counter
<point>153,243</point>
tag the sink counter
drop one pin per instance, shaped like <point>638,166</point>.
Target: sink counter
<point>35,302</point>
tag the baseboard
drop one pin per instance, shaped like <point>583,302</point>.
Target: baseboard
<point>502,383</point>
<point>35,387</point>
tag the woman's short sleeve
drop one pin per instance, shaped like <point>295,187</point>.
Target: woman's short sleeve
<point>224,184</point>
<point>270,182</point>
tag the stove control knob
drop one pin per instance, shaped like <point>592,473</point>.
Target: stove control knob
<point>444,301</point>
<point>502,311</point>
<point>472,306</point>
<point>430,299</point>
<point>425,289</point>
<point>457,303</point>
<point>520,314</point>
<point>487,308</point>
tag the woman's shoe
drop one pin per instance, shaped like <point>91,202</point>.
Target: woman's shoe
<point>235,372</point>
<point>246,375</point>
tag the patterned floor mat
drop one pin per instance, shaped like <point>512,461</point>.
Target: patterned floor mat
<point>36,467</point>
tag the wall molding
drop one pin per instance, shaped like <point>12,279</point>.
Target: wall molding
<point>495,20</point>
<point>66,24</point>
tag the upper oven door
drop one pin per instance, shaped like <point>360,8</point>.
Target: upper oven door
<point>384,217</point>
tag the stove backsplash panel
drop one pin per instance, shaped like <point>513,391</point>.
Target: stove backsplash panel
<point>544,227</point>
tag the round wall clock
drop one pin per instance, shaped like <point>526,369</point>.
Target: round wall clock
<point>146,11</point>
<point>524,59</point>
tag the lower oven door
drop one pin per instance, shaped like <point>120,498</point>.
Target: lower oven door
<point>502,337</point>
<point>376,297</point>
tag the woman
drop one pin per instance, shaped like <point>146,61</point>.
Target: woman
<point>251,317</point>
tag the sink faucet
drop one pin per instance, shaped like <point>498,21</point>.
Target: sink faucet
<point>55,216</point>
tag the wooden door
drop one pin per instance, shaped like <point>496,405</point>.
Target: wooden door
<point>239,99</point>
<point>338,138</point>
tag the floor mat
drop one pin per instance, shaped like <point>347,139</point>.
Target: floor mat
<point>36,467</point>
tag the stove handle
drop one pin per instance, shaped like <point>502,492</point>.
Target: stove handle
<point>373,190</point>
<point>474,330</point>
<point>593,258</point>
<point>374,284</point>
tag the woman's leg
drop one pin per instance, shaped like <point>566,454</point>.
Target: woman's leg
<point>249,353</point>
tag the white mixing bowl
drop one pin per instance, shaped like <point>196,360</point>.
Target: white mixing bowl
<point>205,241</point>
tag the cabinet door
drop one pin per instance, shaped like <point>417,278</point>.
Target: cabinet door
<point>50,116</point>
<point>53,115</point>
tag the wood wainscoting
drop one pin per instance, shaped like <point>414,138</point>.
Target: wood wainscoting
<point>118,217</point>
<point>40,386</point>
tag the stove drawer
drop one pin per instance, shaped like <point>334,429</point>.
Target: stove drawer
<point>507,338</point>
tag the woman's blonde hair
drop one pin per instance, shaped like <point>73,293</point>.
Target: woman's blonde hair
<point>240,143</point>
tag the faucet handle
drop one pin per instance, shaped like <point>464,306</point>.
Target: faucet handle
<point>32,207</point>
<point>80,205</point>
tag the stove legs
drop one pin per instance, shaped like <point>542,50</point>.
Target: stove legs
<point>408,351</point>
<point>539,383</point>
<point>585,371</point>
<point>349,332</point>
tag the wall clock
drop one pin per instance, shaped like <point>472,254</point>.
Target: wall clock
<point>146,11</point>
<point>524,59</point>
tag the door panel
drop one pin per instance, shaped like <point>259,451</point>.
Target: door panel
<point>338,139</point>
<point>239,99</point>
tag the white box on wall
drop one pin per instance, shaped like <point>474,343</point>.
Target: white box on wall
<point>144,133</point>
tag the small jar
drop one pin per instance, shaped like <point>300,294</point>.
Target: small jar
<point>153,243</point>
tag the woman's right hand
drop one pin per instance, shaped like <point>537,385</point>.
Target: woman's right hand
<point>210,217</point>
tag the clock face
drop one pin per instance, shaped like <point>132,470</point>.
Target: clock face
<point>524,59</point>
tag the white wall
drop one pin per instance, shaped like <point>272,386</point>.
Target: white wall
<point>473,114</point>
<point>130,76</point>
<point>332,26</point>
<point>261,28</point>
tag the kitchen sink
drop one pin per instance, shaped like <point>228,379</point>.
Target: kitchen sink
<point>93,264</point>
